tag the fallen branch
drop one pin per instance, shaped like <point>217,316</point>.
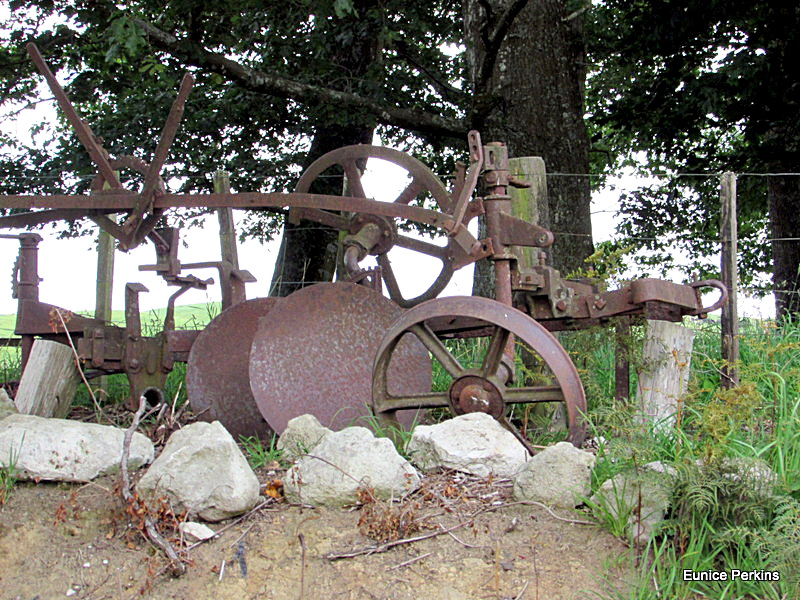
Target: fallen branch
<point>552,513</point>
<point>377,549</point>
<point>178,568</point>
<point>389,545</point>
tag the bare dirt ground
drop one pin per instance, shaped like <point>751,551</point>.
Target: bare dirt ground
<point>458,537</point>
<point>60,540</point>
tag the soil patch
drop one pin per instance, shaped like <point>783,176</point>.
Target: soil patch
<point>59,540</point>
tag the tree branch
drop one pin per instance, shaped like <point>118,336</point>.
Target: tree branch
<point>275,85</point>
<point>496,38</point>
<point>448,91</point>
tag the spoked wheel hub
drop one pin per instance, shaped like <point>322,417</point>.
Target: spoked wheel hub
<point>472,393</point>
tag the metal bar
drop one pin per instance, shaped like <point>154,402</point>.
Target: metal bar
<point>46,216</point>
<point>146,198</point>
<point>437,349</point>
<point>122,201</point>
<point>82,129</point>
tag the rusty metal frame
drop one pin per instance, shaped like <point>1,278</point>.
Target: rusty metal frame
<point>539,291</point>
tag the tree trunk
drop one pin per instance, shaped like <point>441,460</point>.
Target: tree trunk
<point>527,68</point>
<point>783,196</point>
<point>308,250</point>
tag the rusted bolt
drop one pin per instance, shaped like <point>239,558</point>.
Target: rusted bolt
<point>561,305</point>
<point>528,278</point>
<point>134,363</point>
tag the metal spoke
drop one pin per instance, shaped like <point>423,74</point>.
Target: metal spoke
<point>497,346</point>
<point>411,192</point>
<point>437,349</point>
<point>353,174</point>
<point>541,393</point>
<point>517,434</point>
<point>426,400</point>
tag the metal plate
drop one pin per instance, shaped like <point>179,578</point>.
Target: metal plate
<point>217,379</point>
<point>314,353</point>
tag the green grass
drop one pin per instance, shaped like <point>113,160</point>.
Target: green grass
<point>719,519</point>
<point>259,455</point>
<point>8,476</point>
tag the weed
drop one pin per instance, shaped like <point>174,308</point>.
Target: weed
<point>259,455</point>
<point>8,475</point>
<point>395,432</point>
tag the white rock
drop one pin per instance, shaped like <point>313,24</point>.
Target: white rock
<point>643,495</point>
<point>344,461</point>
<point>63,450</point>
<point>473,443</point>
<point>7,406</point>
<point>201,470</point>
<point>557,476</point>
<point>300,436</point>
<point>197,531</point>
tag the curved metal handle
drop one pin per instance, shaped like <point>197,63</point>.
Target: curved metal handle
<point>713,283</point>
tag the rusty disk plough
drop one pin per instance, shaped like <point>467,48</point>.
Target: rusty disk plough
<point>339,350</point>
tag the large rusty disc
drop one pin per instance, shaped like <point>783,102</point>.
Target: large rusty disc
<point>313,354</point>
<point>217,379</point>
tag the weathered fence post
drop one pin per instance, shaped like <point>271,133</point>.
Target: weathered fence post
<point>49,381</point>
<point>227,234</point>
<point>730,277</point>
<point>664,373</point>
<point>529,204</point>
<point>227,231</point>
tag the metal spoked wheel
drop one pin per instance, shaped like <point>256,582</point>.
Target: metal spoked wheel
<point>485,383</point>
<point>350,161</point>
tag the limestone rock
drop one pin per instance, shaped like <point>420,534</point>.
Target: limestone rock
<point>7,406</point>
<point>197,531</point>
<point>344,461</point>
<point>558,476</point>
<point>63,450</point>
<point>201,470</point>
<point>472,443</point>
<point>300,436</point>
<point>643,496</point>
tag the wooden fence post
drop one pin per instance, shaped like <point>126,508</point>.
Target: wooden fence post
<point>529,204</point>
<point>730,277</point>
<point>227,234</point>
<point>105,276</point>
<point>664,373</point>
<point>227,231</point>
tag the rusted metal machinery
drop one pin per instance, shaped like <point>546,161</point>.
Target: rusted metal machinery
<point>340,350</point>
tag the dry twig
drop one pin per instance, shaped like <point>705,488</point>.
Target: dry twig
<point>78,364</point>
<point>410,561</point>
<point>178,568</point>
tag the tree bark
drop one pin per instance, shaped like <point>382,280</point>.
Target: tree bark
<point>783,197</point>
<point>527,68</point>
